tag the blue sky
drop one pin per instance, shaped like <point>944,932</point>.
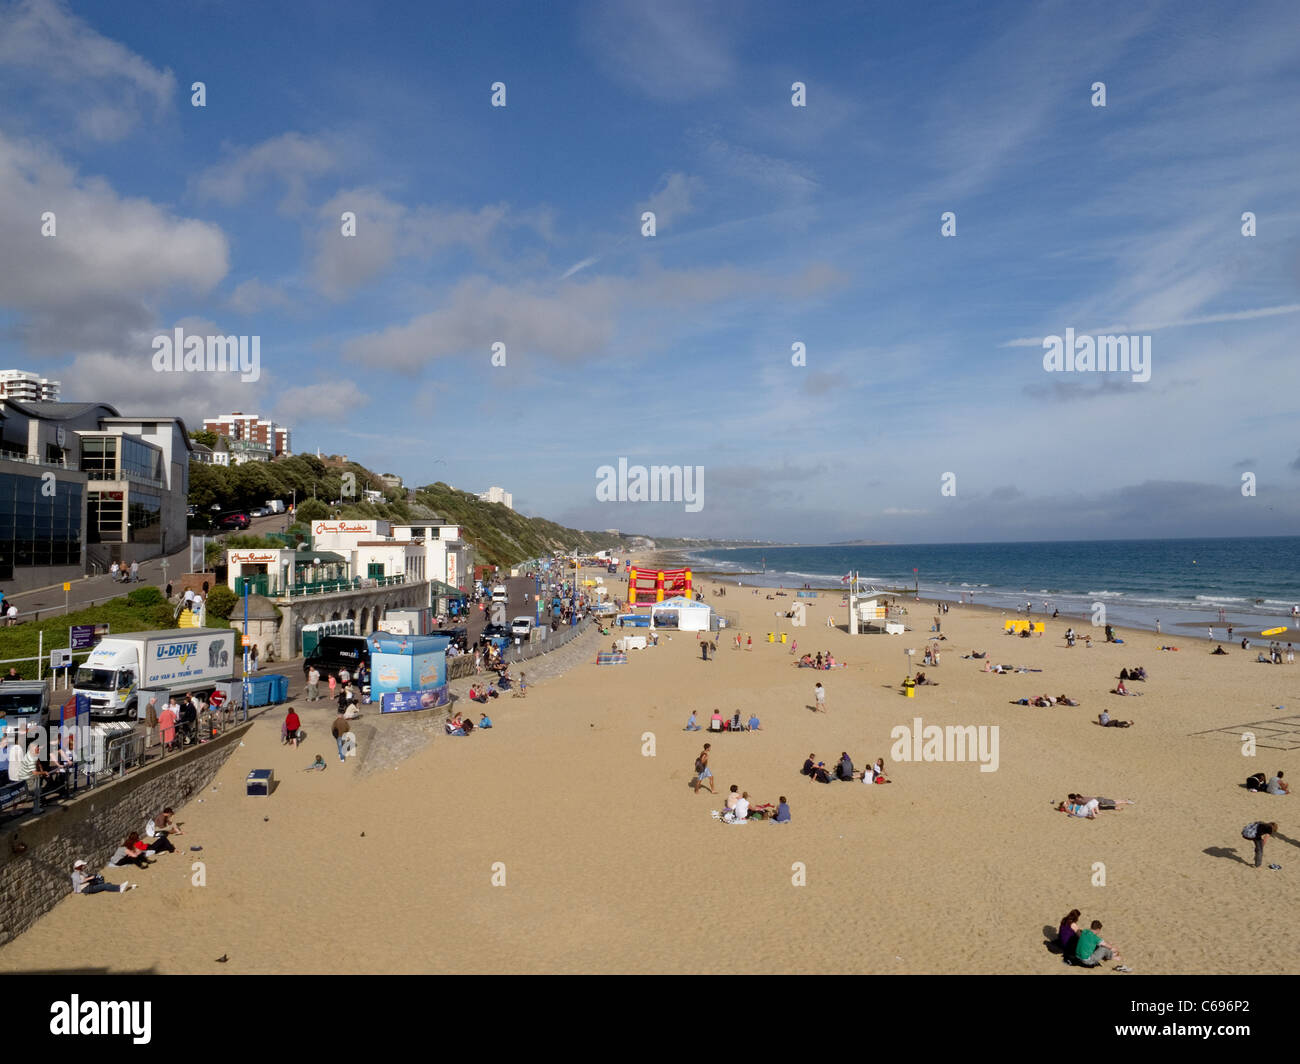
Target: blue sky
<point>775,224</point>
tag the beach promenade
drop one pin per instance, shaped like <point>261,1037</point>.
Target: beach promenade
<point>569,837</point>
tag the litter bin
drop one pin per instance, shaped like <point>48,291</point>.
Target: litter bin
<point>279,688</point>
<point>260,690</point>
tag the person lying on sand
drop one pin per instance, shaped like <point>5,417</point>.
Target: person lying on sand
<point>1064,700</point>
<point>1105,803</point>
<point>1103,718</point>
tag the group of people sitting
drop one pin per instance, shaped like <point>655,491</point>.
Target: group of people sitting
<point>740,808</point>
<point>1274,654</point>
<point>1087,808</point>
<point>827,661</point>
<point>717,723</point>
<point>1043,701</point>
<point>133,851</point>
<point>844,771</point>
<point>1135,673</point>
<point>460,725</point>
<point>1086,948</point>
<point>1277,785</point>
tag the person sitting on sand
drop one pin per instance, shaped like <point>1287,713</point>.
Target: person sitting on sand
<point>1277,785</point>
<point>809,766</point>
<point>1120,689</point>
<point>715,721</point>
<point>1103,718</point>
<point>1123,675</point>
<point>844,768</point>
<point>1068,931</point>
<point>733,797</point>
<point>132,851</point>
<point>1218,650</point>
<point>484,721</point>
<point>782,812</point>
<point>83,882</point>
<point>735,722</point>
<point>876,773</point>
<point>1138,674</point>
<point>455,725</point>
<point>690,723</point>
<point>1091,949</point>
<point>754,723</point>
<point>1257,782</point>
<point>818,663</point>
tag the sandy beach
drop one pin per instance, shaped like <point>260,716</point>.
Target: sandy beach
<point>609,862</point>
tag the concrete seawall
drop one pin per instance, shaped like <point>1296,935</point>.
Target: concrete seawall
<point>92,826</point>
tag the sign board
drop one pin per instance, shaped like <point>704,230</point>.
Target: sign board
<point>60,659</point>
<point>85,636</point>
<point>408,701</point>
<point>67,586</point>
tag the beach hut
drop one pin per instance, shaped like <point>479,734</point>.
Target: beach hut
<point>686,615</point>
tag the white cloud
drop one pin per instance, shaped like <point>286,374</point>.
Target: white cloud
<point>386,232</point>
<point>43,39</point>
<point>253,295</point>
<point>327,399</point>
<point>1156,326</point>
<point>291,158</point>
<point>670,50</point>
<point>97,280</point>
<point>672,199</point>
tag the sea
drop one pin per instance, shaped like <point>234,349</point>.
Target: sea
<point>1187,584</point>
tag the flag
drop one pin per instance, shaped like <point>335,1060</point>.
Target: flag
<point>846,578</point>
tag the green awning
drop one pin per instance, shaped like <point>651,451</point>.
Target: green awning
<point>442,588</point>
<point>325,557</point>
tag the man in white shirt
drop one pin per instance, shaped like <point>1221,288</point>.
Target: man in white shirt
<point>742,807</point>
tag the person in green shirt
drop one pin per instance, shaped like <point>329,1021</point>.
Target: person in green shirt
<point>1092,949</point>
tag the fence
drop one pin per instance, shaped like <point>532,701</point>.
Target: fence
<point>121,754</point>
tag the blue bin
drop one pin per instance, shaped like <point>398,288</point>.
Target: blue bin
<point>280,688</point>
<point>261,690</point>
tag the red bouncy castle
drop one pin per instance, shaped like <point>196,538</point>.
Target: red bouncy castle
<point>645,587</point>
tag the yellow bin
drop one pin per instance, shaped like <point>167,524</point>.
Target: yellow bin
<point>771,638</point>
<point>911,691</point>
<point>782,637</point>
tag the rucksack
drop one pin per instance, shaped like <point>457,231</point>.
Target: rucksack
<point>1250,831</point>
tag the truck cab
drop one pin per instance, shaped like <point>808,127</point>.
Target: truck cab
<point>110,677</point>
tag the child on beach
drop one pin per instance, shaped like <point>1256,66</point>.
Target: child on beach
<point>819,694</point>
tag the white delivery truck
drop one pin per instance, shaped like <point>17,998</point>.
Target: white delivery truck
<point>276,506</point>
<point>176,661</point>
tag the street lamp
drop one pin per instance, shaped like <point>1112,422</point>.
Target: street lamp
<point>909,652</point>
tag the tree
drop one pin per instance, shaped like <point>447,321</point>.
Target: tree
<point>221,601</point>
<point>203,436</point>
<point>312,510</point>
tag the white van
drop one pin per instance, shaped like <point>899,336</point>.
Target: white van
<point>521,627</point>
<point>500,594</point>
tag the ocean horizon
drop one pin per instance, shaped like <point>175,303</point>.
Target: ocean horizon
<point>1180,582</point>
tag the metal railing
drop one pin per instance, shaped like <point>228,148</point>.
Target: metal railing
<point>126,753</point>
<point>31,459</point>
<point>357,583</point>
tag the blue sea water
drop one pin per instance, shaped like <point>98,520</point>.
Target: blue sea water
<point>1181,582</point>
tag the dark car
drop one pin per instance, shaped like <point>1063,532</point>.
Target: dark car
<point>335,652</point>
<point>239,521</point>
<point>496,631</point>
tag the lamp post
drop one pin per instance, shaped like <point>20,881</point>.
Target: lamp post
<point>909,652</point>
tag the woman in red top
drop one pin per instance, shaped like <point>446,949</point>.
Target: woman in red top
<point>291,726</point>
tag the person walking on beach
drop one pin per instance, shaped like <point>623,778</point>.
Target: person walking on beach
<point>135,572</point>
<point>702,770</point>
<point>1157,626</point>
<point>313,684</point>
<point>340,728</point>
<point>819,693</point>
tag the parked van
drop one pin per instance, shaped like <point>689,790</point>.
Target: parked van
<point>521,627</point>
<point>500,594</point>
<point>336,652</point>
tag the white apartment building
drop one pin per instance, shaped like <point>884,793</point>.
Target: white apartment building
<point>495,494</point>
<point>28,387</point>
